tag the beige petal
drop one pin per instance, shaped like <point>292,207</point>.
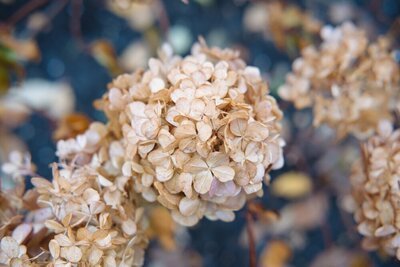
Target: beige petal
<point>109,261</point>
<point>10,246</point>
<point>257,131</point>
<point>184,220</point>
<point>156,85</point>
<point>202,182</point>
<point>72,254</point>
<point>54,249</point>
<point>204,130</point>
<point>187,145</point>
<point>185,129</point>
<point>104,242</point>
<point>196,164</point>
<point>63,240</point>
<point>186,180</point>
<point>147,179</point>
<point>217,159</point>
<point>129,227</point>
<point>251,152</point>
<point>197,109</point>
<point>104,181</point>
<point>188,206</point>
<point>41,183</point>
<point>21,232</point>
<point>252,188</point>
<point>165,138</point>
<point>173,185</point>
<point>96,207</point>
<point>90,195</point>
<point>95,255</point>
<point>127,168</point>
<point>225,215</point>
<point>224,173</point>
<point>158,157</point>
<point>385,230</point>
<point>164,174</point>
<point>16,262</point>
<point>365,229</point>
<point>238,127</point>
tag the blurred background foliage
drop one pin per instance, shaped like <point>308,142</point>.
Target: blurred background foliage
<point>57,57</point>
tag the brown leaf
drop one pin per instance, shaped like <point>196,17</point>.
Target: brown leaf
<point>24,49</point>
<point>162,227</point>
<point>71,125</point>
<point>275,254</point>
<point>292,185</point>
<point>104,53</point>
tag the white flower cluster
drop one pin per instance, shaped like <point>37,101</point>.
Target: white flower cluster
<point>350,83</point>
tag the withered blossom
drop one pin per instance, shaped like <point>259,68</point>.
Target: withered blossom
<point>351,83</point>
<point>375,188</point>
<point>86,216</point>
<point>199,133</point>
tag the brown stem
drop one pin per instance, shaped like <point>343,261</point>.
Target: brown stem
<point>24,11</point>
<point>75,22</point>
<point>164,20</point>
<point>252,243</point>
<point>57,7</point>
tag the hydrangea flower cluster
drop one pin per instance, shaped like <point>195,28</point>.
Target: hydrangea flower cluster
<point>200,133</point>
<point>197,134</point>
<point>376,191</point>
<point>87,215</point>
<point>350,83</point>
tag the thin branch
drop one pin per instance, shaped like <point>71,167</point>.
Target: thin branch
<point>252,243</point>
<point>75,22</point>
<point>24,11</point>
<point>56,8</point>
<point>164,19</point>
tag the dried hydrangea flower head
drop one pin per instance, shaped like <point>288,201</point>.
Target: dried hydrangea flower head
<point>350,83</point>
<point>200,133</point>
<point>89,215</point>
<point>376,190</point>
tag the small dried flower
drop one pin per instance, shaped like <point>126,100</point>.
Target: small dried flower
<point>350,83</point>
<point>198,132</point>
<point>19,165</point>
<point>289,27</point>
<point>88,211</point>
<point>376,185</point>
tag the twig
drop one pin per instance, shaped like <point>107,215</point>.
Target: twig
<point>164,20</point>
<point>252,243</point>
<point>364,157</point>
<point>75,22</point>
<point>57,7</point>
<point>326,235</point>
<point>24,11</point>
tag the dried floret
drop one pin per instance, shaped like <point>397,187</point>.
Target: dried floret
<point>350,83</point>
<point>89,214</point>
<point>199,132</point>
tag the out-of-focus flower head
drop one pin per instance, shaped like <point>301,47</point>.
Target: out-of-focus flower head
<point>199,133</point>
<point>376,191</point>
<point>351,84</point>
<point>288,26</point>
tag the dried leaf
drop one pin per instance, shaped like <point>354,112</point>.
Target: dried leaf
<point>71,125</point>
<point>275,254</point>
<point>103,51</point>
<point>292,185</point>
